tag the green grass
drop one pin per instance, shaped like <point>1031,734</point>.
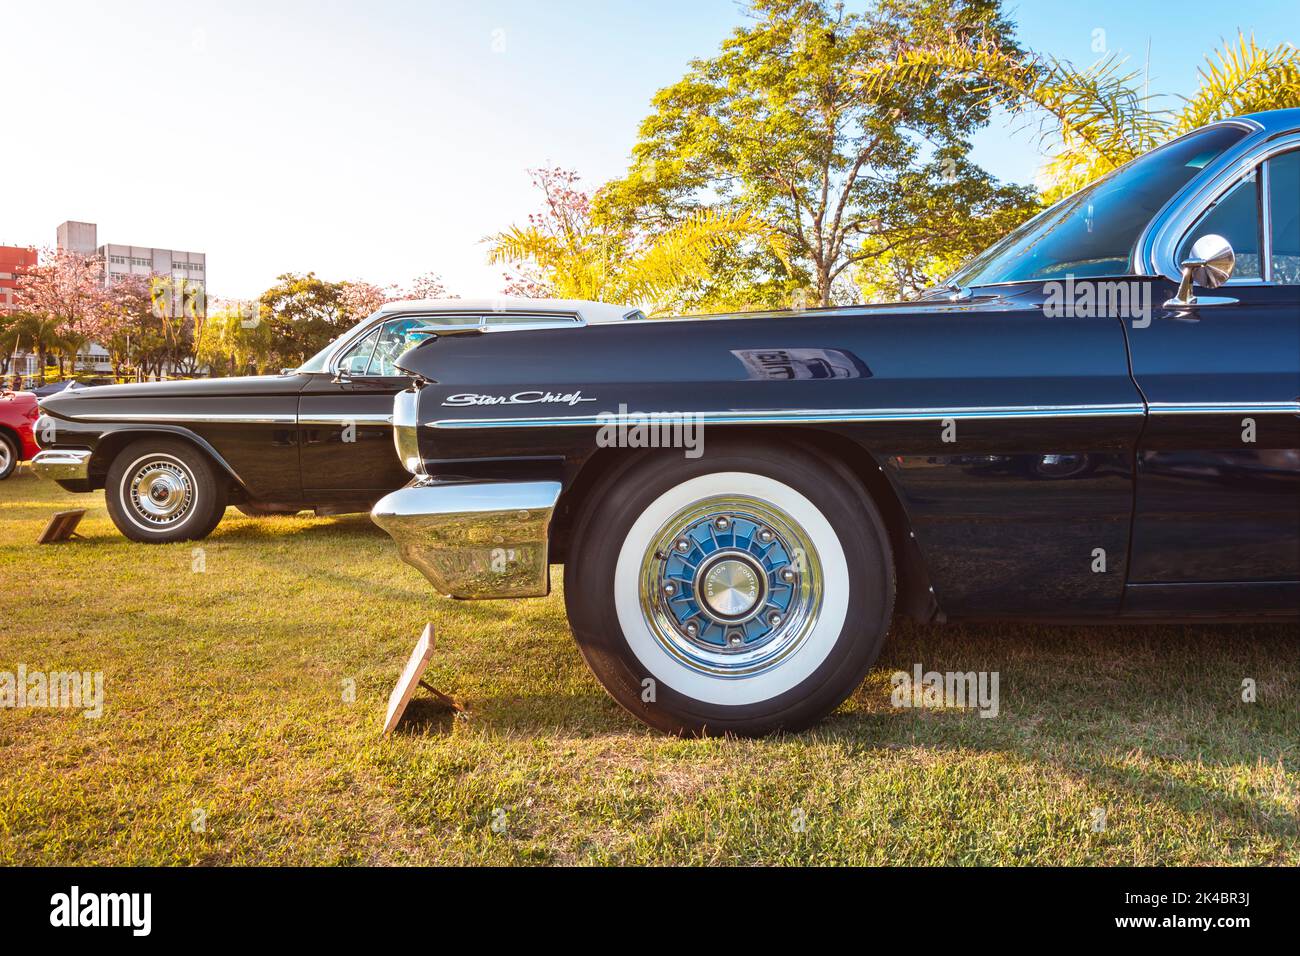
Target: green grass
<point>225,694</point>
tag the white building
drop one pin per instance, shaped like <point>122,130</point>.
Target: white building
<point>82,237</point>
<point>188,270</point>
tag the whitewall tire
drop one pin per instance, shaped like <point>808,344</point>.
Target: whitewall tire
<point>746,591</point>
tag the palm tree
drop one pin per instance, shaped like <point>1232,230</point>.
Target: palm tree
<point>1101,114</point>
<point>570,252</point>
<point>27,331</point>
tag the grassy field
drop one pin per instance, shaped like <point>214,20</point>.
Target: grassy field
<point>228,736</point>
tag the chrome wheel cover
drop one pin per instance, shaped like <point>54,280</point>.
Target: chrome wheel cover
<point>159,492</point>
<point>731,586</point>
<point>6,457</point>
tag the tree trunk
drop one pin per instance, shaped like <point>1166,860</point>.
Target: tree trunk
<point>823,285</point>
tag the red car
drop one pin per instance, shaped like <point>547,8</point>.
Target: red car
<point>17,443</point>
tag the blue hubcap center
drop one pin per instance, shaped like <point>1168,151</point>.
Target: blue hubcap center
<point>728,582</point>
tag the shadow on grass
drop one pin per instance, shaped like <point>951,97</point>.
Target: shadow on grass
<point>1149,713</point>
<point>425,716</point>
<point>1132,709</point>
<point>305,526</point>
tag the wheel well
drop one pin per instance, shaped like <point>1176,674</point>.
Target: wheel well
<point>111,445</point>
<point>914,597</point>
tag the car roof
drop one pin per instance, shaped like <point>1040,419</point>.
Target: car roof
<point>1275,121</point>
<point>588,311</point>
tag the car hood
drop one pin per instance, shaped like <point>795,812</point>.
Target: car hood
<point>67,402</point>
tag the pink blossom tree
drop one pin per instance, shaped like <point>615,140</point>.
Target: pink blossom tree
<point>361,298</point>
<point>427,286</point>
<point>565,216</point>
<point>67,289</point>
<point>129,325</point>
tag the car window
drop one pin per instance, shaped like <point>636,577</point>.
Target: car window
<point>1235,216</point>
<point>355,359</point>
<point>1284,214</point>
<point>1092,233</point>
<point>527,318</point>
<point>398,335</point>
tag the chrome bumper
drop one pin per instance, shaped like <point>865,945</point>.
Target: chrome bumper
<point>474,539</point>
<point>62,464</point>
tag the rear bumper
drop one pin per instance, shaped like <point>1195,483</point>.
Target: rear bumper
<point>474,539</point>
<point>62,464</point>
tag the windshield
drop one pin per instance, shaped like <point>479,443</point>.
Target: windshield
<point>1092,233</point>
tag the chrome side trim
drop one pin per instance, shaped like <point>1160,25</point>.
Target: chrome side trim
<point>1198,302</point>
<point>1225,408</point>
<point>62,464</point>
<point>812,416</point>
<point>330,418</point>
<point>474,539</point>
<point>213,418</point>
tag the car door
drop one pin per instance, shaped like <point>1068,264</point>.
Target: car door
<point>1218,474</point>
<point>345,414</point>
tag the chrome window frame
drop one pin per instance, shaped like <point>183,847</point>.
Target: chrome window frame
<point>562,320</point>
<point>338,357</point>
<point>1159,245</point>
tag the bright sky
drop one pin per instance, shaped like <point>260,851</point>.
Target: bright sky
<point>384,139</point>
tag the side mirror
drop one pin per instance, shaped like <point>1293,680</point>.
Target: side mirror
<point>341,375</point>
<point>1210,265</point>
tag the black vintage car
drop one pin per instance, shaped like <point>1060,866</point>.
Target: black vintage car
<point>171,455</point>
<point>1098,419</point>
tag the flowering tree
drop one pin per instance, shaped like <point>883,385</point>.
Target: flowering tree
<point>126,307</point>
<point>569,250</point>
<point>360,298</point>
<point>565,215</point>
<point>65,289</point>
<point>427,286</point>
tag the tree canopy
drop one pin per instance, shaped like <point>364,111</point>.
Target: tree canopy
<point>1101,114</point>
<point>779,126</point>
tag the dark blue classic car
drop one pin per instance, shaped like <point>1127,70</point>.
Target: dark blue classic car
<point>1098,419</point>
